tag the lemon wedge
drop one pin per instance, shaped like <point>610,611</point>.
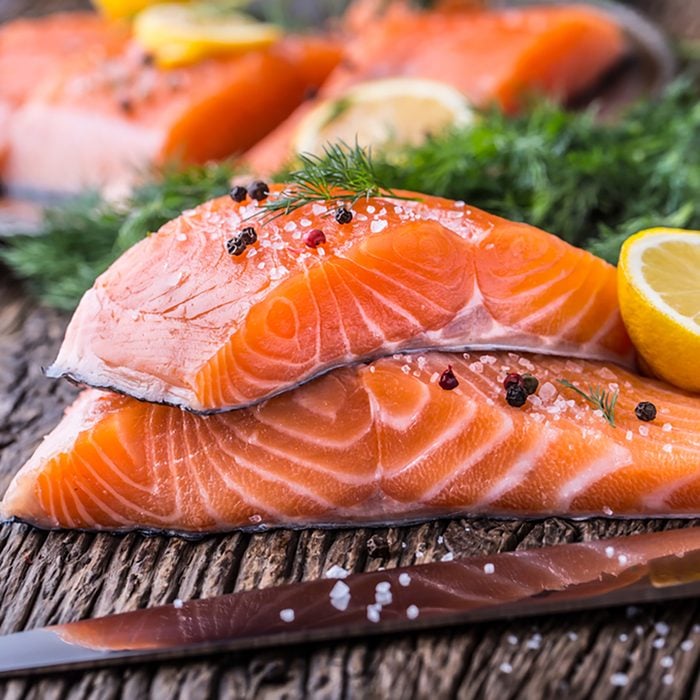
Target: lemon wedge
<point>178,34</point>
<point>659,291</point>
<point>387,112</point>
<point>122,9</point>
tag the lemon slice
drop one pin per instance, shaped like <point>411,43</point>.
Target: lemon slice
<point>179,34</point>
<point>659,290</point>
<point>122,9</point>
<point>385,112</point>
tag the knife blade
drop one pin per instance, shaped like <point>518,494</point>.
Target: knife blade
<point>561,578</point>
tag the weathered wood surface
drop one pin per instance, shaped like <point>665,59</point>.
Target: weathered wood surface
<point>61,576</point>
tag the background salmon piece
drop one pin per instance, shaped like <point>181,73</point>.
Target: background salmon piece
<point>101,118</point>
<point>498,56</point>
<point>179,320</point>
<point>382,443</point>
<point>30,49</point>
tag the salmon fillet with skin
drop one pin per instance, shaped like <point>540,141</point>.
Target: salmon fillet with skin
<point>103,121</point>
<point>497,56</point>
<point>382,443</point>
<point>178,320</point>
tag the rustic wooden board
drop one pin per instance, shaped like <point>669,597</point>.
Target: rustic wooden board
<point>61,576</point>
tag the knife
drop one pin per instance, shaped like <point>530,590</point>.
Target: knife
<point>561,578</point>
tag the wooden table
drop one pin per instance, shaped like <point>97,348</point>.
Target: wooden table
<point>52,577</point>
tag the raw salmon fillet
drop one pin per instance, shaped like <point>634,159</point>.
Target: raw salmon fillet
<point>32,48</point>
<point>380,443</point>
<point>178,320</point>
<point>501,56</point>
<point>101,120</point>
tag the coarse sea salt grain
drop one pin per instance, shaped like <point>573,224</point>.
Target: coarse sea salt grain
<point>659,643</point>
<point>177,603</point>
<point>337,572</point>
<point>687,644</point>
<point>573,636</point>
<point>290,226</point>
<point>449,556</point>
<point>620,680</point>
<point>667,427</point>
<point>341,603</point>
<point>287,615</point>
<point>340,589</point>
<point>623,637</point>
<point>610,552</point>
<point>505,667</point>
<point>512,640</point>
<point>643,430</point>
<point>662,628</point>
<point>489,568</point>
<point>666,662</point>
<point>667,679</point>
<point>404,579</point>
<point>412,612</point>
<point>378,225</point>
<point>629,434</point>
<point>373,612</point>
<point>667,448</point>
<point>622,559</point>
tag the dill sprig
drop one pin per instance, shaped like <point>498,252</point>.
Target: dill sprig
<point>342,172</point>
<point>597,397</point>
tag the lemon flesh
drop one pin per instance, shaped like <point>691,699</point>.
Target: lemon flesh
<point>180,34</point>
<point>394,111</point>
<point>122,9</point>
<point>659,290</point>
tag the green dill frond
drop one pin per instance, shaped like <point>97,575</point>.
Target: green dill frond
<point>342,172</point>
<point>603,400</point>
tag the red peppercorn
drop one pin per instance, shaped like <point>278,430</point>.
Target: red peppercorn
<point>512,379</point>
<point>315,238</point>
<point>447,380</point>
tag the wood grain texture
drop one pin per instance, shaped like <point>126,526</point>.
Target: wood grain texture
<point>51,577</point>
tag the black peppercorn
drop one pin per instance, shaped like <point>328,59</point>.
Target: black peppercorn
<point>238,193</point>
<point>126,105</point>
<point>447,380</point>
<point>258,190</point>
<point>645,410</point>
<point>530,383</point>
<point>236,245</point>
<point>343,215</point>
<point>248,235</point>
<point>516,395</point>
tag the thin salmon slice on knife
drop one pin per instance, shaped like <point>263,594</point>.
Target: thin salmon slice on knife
<point>387,442</point>
<point>180,320</point>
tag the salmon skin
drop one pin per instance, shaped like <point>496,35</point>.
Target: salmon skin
<point>494,56</point>
<point>375,444</point>
<point>178,320</point>
<point>102,117</point>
